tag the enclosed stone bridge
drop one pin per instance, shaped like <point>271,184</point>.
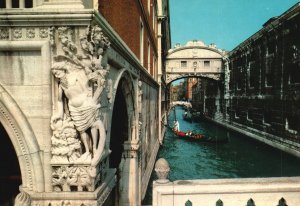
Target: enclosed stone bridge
<point>195,59</point>
<point>181,103</point>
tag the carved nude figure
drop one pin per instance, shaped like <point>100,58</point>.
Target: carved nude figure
<point>82,103</point>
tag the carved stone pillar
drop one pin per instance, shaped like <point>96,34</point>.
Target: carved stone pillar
<point>129,182</point>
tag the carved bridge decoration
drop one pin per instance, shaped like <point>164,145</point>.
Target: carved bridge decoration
<point>195,59</point>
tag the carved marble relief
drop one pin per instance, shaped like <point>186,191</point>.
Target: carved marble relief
<point>74,178</point>
<point>30,33</point>
<point>17,33</point>
<point>4,34</point>
<point>78,140</point>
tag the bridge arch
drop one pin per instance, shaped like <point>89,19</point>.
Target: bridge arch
<point>24,142</point>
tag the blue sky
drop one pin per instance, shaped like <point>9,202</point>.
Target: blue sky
<point>223,22</point>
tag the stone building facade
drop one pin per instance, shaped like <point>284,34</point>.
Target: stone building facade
<point>262,84</point>
<point>80,108</point>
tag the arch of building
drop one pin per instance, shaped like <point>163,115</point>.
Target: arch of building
<point>24,142</point>
<point>198,75</point>
<point>125,82</point>
<point>124,86</point>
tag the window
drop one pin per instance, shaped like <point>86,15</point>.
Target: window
<point>155,67</point>
<point>142,43</point>
<point>251,75</point>
<point>294,76</point>
<point>269,78</point>
<point>183,63</point>
<point>155,14</point>
<point>267,118</point>
<point>148,60</point>
<point>149,4</point>
<point>206,63</point>
<point>292,123</point>
<point>239,79</point>
<point>195,65</point>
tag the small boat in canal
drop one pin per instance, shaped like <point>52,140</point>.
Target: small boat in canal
<point>189,135</point>
<point>197,137</point>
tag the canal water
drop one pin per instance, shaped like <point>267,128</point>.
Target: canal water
<point>240,157</point>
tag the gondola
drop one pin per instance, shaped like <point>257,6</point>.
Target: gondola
<point>196,136</point>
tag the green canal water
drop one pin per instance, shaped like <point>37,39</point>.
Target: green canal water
<point>241,157</point>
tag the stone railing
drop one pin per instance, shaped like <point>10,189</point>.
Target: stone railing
<point>57,4</point>
<point>221,192</point>
<point>9,4</point>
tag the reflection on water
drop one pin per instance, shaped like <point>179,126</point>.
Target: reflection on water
<point>241,157</point>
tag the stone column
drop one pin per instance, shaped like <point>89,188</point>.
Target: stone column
<point>217,103</point>
<point>129,181</point>
<point>226,86</point>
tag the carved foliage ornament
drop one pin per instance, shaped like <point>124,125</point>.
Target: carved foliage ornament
<point>4,34</point>
<point>68,179</point>
<point>30,33</point>
<point>17,33</point>
<point>78,132</point>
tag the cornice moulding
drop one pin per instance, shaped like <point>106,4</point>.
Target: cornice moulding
<point>45,18</point>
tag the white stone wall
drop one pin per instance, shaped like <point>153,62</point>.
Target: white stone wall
<point>259,191</point>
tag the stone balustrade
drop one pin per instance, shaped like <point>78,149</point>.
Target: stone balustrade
<point>9,4</point>
<point>281,191</point>
<point>57,4</point>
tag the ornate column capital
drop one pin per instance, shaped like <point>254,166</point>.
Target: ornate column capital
<point>131,149</point>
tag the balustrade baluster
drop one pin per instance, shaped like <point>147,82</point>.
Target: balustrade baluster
<point>8,4</point>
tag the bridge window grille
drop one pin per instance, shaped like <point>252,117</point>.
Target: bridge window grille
<point>206,63</point>
<point>183,63</point>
